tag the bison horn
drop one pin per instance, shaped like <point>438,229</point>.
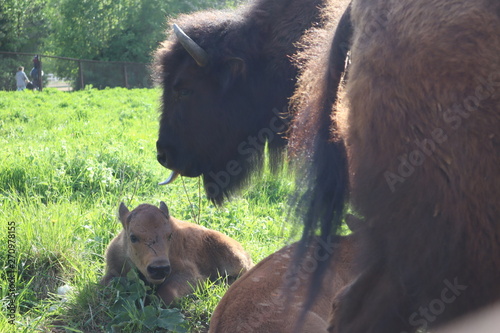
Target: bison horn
<point>198,54</point>
<point>170,179</point>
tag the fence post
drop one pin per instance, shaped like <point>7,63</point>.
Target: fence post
<point>40,73</point>
<point>80,68</point>
<point>125,75</point>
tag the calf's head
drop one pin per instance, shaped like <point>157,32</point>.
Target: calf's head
<point>147,232</point>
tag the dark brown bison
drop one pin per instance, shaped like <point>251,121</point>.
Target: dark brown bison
<point>422,141</point>
<point>226,78</point>
<point>172,254</point>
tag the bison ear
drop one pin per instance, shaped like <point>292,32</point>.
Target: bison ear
<point>164,209</point>
<point>237,66</point>
<point>123,213</point>
<point>234,68</point>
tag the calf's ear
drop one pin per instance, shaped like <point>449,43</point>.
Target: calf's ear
<point>164,209</point>
<point>123,213</point>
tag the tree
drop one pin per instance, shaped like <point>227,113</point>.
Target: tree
<point>136,39</point>
<point>108,30</point>
<point>24,25</point>
<point>118,30</point>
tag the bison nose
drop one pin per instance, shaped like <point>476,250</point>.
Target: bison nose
<point>161,157</point>
<point>161,152</point>
<point>158,272</point>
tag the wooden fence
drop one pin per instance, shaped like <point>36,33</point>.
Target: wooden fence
<point>75,74</point>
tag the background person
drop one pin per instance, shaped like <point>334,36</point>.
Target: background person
<point>36,73</point>
<point>21,79</point>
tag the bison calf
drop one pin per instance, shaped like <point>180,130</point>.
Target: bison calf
<point>172,254</point>
<point>270,298</point>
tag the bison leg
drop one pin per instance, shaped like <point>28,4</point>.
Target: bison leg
<point>176,286</point>
<point>106,279</point>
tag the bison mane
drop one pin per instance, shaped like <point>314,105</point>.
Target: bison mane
<point>261,35</point>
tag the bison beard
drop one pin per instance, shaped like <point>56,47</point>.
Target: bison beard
<point>436,232</point>
<point>217,116</point>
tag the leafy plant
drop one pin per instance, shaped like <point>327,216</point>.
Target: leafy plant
<point>136,308</point>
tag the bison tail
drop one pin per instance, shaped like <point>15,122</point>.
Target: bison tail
<point>314,141</point>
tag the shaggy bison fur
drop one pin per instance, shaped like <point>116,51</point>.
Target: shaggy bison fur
<point>226,77</point>
<point>420,146</point>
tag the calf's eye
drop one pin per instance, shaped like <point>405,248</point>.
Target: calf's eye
<point>134,238</point>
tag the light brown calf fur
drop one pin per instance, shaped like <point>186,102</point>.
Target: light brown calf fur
<point>269,299</point>
<point>173,254</point>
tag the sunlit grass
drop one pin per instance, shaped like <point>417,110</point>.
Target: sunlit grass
<point>67,161</point>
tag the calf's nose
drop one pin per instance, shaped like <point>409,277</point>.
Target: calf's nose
<point>158,272</point>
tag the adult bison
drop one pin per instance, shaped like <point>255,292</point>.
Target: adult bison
<point>422,138</point>
<point>226,78</point>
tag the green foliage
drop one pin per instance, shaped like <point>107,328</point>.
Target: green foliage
<point>117,30</point>
<point>86,26</point>
<point>67,161</point>
<point>23,24</point>
<point>200,304</point>
<point>136,308</point>
<point>105,30</point>
<point>8,69</point>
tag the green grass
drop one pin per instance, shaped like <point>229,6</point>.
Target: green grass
<point>66,162</point>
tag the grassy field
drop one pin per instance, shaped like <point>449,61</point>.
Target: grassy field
<point>66,162</point>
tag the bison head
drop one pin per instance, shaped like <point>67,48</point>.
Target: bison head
<point>222,101</point>
<point>148,233</point>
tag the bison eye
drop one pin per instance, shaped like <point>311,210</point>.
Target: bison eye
<point>183,93</point>
<point>170,236</point>
<point>134,238</point>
